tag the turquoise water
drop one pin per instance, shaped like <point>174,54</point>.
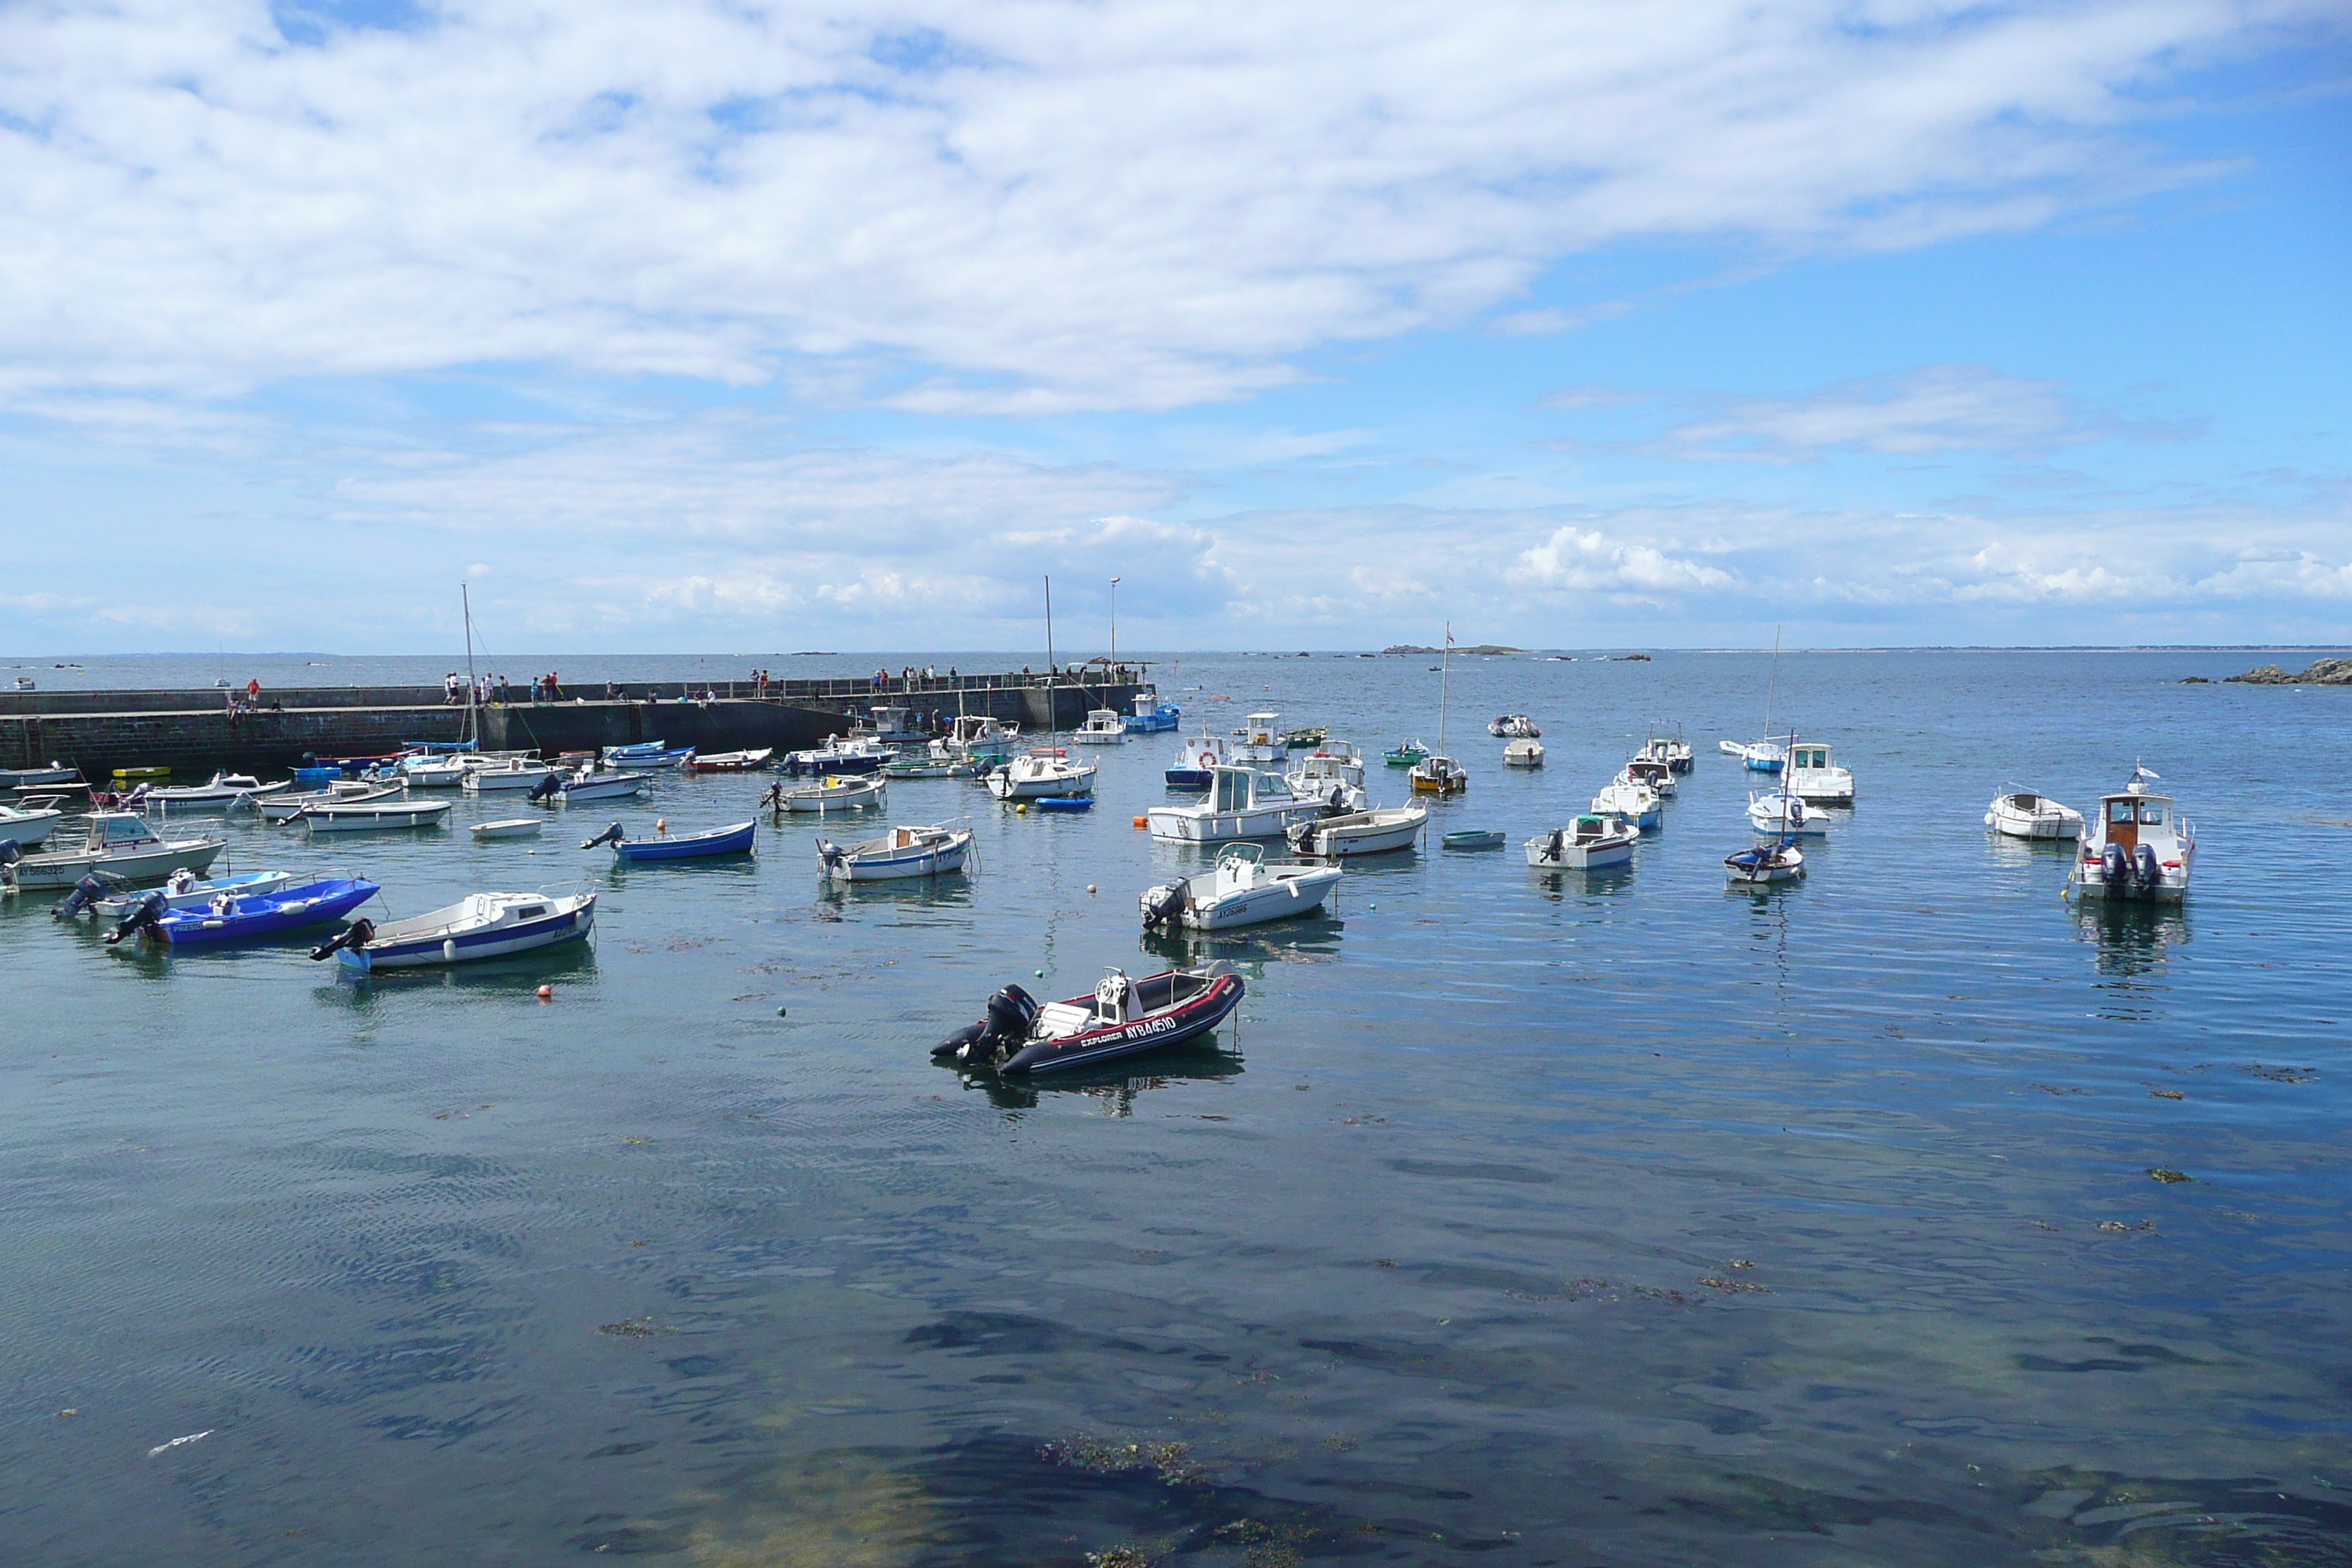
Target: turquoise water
<point>1620,1221</point>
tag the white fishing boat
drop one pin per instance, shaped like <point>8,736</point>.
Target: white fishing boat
<point>510,774</point>
<point>1591,843</point>
<point>27,828</point>
<point>1333,774</point>
<point>840,755</point>
<point>421,771</point>
<point>1241,803</point>
<point>1372,832</point>
<point>2138,847</point>
<point>479,926</point>
<point>1781,814</point>
<point>1638,804</point>
<point>2029,814</point>
<point>1658,776</point>
<point>372,816</point>
<point>1513,726</point>
<point>977,738</point>
<point>1260,740</point>
<point>1242,890</point>
<point>1195,756</point>
<point>1669,748</point>
<point>223,792</point>
<point>119,844</point>
<point>1039,771</point>
<point>184,889</point>
<point>1763,756</point>
<point>1523,754</point>
<point>286,807</point>
<point>901,853</point>
<point>833,791</point>
<point>1813,775</point>
<point>510,828</point>
<point>589,785</point>
<point>1104,727</point>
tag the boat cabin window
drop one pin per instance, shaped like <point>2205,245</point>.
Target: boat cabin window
<point>2120,811</point>
<point>2151,812</point>
<point>125,830</point>
<point>531,911</point>
<point>1232,791</point>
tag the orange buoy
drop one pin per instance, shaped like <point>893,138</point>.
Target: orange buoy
<point>547,993</point>
<point>1140,822</point>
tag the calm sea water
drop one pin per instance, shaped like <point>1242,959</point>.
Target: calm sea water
<point>1621,1221</point>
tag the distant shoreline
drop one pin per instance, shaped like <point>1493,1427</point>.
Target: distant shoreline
<point>32,661</point>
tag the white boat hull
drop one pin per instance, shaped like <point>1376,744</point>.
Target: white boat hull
<point>877,863</point>
<point>29,829</point>
<point>1766,816</point>
<point>145,865</point>
<point>1299,893</point>
<point>606,788</point>
<point>514,827</point>
<point>367,818</point>
<point>817,799</point>
<point>1005,786</point>
<point>456,935</point>
<point>1193,824</point>
<point>1575,856</point>
<point>1336,837</point>
<point>2046,820</point>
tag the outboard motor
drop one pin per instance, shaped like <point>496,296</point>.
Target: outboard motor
<point>355,936</point>
<point>86,892</point>
<point>774,799</point>
<point>146,919</point>
<point>612,834</point>
<point>2151,875</point>
<point>546,789</point>
<point>180,882</point>
<point>9,855</point>
<point>1334,806</point>
<point>1556,850</point>
<point>1163,905</point>
<point>2115,868</point>
<point>829,855</point>
<point>1012,1014</point>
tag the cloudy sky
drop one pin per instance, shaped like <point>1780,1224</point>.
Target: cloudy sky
<point>681,325</point>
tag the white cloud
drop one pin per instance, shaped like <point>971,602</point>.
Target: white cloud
<point>1587,561</point>
<point>1023,207</point>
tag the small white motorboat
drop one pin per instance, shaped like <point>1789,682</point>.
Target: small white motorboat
<point>286,807</point>
<point>977,738</point>
<point>1765,865</point>
<point>1242,890</point>
<point>588,785</point>
<point>119,844</point>
<point>1783,815</point>
<point>184,891</point>
<point>1763,756</point>
<point>1591,843</point>
<point>1513,726</point>
<point>1813,775</point>
<point>369,815</point>
<point>2138,847</point>
<point>27,828</point>
<point>1042,771</point>
<point>1104,727</point>
<point>433,773</point>
<point>1333,765</point>
<point>504,775</point>
<point>1637,803</point>
<point>901,853</point>
<point>224,791</point>
<point>833,791</point>
<point>1371,832</point>
<point>1523,754</point>
<point>481,925</point>
<point>1657,774</point>
<point>750,761</point>
<point>1260,740</point>
<point>2029,814</point>
<point>1241,803</point>
<point>510,828</point>
<point>1438,775</point>
<point>1668,748</point>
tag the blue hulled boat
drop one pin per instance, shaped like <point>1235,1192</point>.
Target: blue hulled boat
<point>737,839</point>
<point>230,918</point>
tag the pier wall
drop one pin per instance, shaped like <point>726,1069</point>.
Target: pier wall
<point>192,733</point>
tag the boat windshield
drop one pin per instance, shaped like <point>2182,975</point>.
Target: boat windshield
<point>2151,812</point>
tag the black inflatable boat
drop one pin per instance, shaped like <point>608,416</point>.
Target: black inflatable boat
<point>1122,1017</point>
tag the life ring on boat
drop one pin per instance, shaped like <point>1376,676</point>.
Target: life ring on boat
<point>1208,760</point>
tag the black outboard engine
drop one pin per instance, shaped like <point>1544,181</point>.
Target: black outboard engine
<point>86,892</point>
<point>545,789</point>
<point>1165,909</point>
<point>1556,850</point>
<point>355,936</point>
<point>612,834</point>
<point>147,917</point>
<point>2115,866</point>
<point>2151,875</point>
<point>1332,806</point>
<point>1012,1014</point>
<point>9,855</point>
<point>829,855</point>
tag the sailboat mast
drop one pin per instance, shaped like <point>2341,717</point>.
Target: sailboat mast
<point>473,687</point>
<point>1444,666</point>
<point>1769,682</point>
<point>1051,722</point>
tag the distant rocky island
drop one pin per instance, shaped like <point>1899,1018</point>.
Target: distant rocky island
<point>1483,647</point>
<point>2322,672</point>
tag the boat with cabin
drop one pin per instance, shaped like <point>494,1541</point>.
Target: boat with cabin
<point>1333,774</point>
<point>2029,814</point>
<point>119,844</point>
<point>1104,727</point>
<point>2139,846</point>
<point>1152,716</point>
<point>589,784</point>
<point>1758,756</point>
<point>1241,803</point>
<point>1042,771</point>
<point>1122,1017</point>
<point>1813,774</point>
<point>840,755</point>
<point>1195,756</point>
<point>1668,747</point>
<point>1240,890</point>
<point>1260,740</point>
<point>1591,843</point>
<point>1638,804</point>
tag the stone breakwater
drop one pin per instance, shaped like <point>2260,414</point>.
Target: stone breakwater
<point>191,733</point>
<point>2320,672</point>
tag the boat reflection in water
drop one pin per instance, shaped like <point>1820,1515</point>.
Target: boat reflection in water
<point>1116,1085</point>
<point>2131,941</point>
<point>1305,938</point>
<point>573,960</point>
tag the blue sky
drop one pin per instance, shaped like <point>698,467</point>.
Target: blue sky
<point>690,326</point>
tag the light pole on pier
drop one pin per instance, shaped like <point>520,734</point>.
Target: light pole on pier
<point>1114,621</point>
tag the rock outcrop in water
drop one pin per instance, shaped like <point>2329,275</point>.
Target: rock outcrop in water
<point>2321,672</point>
